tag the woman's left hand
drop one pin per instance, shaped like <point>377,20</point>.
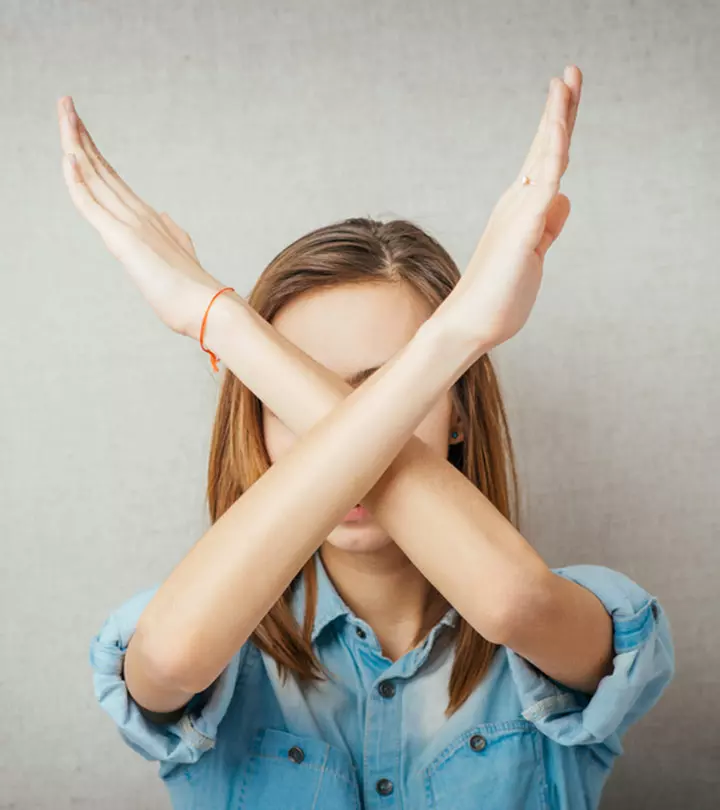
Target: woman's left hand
<point>496,293</point>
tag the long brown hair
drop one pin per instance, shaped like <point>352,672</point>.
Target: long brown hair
<point>358,250</point>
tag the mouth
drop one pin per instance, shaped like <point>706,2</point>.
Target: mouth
<point>358,512</point>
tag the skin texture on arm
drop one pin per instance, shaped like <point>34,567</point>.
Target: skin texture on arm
<point>482,565</point>
<point>215,597</point>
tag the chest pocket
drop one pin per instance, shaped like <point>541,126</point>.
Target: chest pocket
<point>295,772</point>
<point>493,766</point>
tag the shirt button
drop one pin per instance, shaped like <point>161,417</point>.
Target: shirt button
<point>360,632</point>
<point>477,742</point>
<point>296,754</point>
<point>384,787</point>
<point>386,689</point>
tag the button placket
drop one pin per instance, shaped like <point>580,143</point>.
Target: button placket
<point>382,773</point>
<point>368,636</point>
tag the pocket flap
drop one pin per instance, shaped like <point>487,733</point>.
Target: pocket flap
<point>304,751</point>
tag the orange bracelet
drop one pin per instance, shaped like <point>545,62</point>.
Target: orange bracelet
<point>213,356</point>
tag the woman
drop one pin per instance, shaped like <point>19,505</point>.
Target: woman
<point>414,651</point>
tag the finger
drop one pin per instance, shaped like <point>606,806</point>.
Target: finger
<point>573,78</point>
<point>104,169</point>
<point>555,111</point>
<point>83,199</point>
<point>71,141</point>
<point>179,234</point>
<point>540,133</point>
<point>125,195</point>
<point>549,163</point>
<point>556,217</point>
<point>556,156</point>
<point>570,98</point>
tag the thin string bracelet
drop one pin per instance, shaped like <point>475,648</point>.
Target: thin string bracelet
<point>213,356</point>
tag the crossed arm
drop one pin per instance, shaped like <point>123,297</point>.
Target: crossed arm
<point>454,535</point>
<point>467,549</point>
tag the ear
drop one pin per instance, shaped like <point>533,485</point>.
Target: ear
<point>456,427</point>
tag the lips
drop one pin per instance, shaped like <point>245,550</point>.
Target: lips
<point>358,512</point>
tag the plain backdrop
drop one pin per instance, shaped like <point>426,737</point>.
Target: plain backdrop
<point>254,122</point>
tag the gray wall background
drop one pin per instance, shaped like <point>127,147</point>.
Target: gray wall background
<point>252,123</point>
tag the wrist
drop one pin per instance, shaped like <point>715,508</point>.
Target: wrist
<point>222,320</point>
<point>453,347</point>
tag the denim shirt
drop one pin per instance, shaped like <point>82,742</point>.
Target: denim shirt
<point>376,736</point>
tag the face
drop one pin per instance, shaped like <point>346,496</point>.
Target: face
<point>348,329</point>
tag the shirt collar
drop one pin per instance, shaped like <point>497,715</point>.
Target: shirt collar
<point>330,605</point>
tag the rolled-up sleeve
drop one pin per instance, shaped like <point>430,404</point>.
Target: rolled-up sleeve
<point>170,744</point>
<point>643,665</point>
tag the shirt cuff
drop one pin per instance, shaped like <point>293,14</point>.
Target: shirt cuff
<point>183,741</point>
<point>643,665</point>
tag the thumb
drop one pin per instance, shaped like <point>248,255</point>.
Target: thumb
<point>555,219</point>
<point>178,233</point>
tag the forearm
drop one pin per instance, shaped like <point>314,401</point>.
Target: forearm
<point>462,544</point>
<point>216,596</point>
<point>470,552</point>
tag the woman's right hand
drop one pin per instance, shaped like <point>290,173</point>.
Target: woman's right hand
<point>157,253</point>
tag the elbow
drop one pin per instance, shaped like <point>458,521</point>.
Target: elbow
<point>521,608</point>
<point>161,665</point>
<point>499,630</point>
<point>183,669</point>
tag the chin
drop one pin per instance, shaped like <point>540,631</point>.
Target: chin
<point>362,536</point>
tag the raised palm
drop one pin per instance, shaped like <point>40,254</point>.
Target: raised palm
<point>498,289</point>
<point>156,252</point>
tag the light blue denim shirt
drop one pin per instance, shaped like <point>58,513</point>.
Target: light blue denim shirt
<point>376,736</point>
